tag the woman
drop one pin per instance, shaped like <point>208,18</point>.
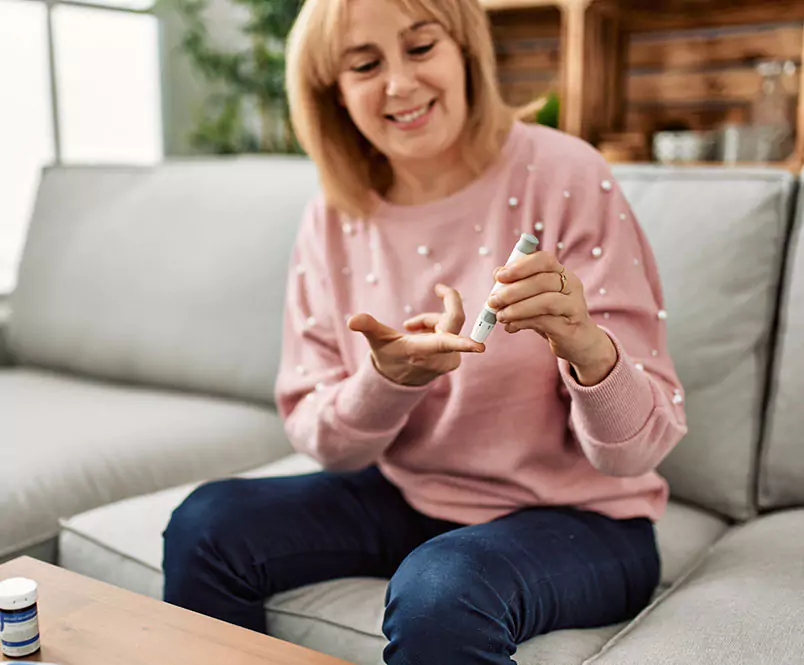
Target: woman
<point>506,489</point>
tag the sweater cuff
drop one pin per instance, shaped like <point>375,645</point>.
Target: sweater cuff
<point>617,408</point>
<point>370,402</point>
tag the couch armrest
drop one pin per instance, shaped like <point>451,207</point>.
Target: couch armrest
<point>5,356</point>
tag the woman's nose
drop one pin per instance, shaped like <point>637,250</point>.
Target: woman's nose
<point>401,81</point>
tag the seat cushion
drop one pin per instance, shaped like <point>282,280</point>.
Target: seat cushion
<point>170,275</point>
<point>69,445</point>
<point>782,467</point>
<point>743,605</point>
<point>718,236</point>
<point>122,544</point>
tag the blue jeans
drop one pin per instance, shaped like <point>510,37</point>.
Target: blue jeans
<point>458,595</point>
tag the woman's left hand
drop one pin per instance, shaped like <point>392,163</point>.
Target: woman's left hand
<point>542,295</point>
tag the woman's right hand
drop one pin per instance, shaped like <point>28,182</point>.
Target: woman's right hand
<point>433,346</point>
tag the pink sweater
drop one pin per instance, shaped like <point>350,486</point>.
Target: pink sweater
<point>510,427</point>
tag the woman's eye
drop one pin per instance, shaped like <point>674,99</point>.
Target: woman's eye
<point>421,50</point>
<point>365,68</point>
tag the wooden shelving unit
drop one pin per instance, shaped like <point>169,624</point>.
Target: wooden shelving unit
<point>636,66</point>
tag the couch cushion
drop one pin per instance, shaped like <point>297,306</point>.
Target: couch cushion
<point>122,544</point>
<point>70,445</point>
<point>344,617</point>
<point>743,605</point>
<point>718,236</point>
<point>782,474</point>
<point>172,275</point>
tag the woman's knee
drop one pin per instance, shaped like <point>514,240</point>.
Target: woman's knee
<point>207,515</point>
<point>441,605</point>
<point>442,578</point>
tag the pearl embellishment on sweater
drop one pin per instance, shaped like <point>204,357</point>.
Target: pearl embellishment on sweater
<point>662,315</point>
<point>423,250</point>
<point>513,202</point>
<point>311,321</point>
<point>483,251</point>
<point>606,185</point>
<point>597,252</point>
<point>539,226</point>
<point>371,278</point>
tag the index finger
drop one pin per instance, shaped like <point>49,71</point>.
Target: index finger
<point>429,345</point>
<point>529,265</point>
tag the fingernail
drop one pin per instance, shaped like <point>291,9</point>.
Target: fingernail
<point>503,274</point>
<point>494,301</point>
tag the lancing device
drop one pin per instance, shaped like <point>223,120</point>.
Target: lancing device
<point>487,318</point>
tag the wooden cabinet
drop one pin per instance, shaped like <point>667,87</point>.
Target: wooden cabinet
<point>634,67</point>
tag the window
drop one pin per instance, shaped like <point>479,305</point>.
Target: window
<point>80,84</point>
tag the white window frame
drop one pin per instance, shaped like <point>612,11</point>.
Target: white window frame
<point>53,74</point>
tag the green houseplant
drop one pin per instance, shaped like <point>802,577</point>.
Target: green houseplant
<point>247,83</point>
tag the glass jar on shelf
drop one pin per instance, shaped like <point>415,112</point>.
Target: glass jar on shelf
<point>772,113</point>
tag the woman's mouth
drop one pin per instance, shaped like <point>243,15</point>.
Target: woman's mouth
<point>412,118</point>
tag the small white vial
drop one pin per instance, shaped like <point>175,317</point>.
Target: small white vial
<point>19,618</point>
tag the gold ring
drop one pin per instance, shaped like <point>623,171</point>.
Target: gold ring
<point>563,277</point>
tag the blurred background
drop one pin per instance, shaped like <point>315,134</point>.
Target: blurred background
<point>135,82</point>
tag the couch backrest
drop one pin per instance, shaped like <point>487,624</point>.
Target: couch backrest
<point>718,236</point>
<point>171,275</point>
<point>782,467</point>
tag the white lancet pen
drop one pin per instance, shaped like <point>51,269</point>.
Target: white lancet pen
<point>487,318</point>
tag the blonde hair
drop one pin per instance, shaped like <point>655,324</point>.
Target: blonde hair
<point>350,168</point>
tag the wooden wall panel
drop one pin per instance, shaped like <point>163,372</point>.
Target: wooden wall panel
<point>521,93</point>
<point>669,87</point>
<point>692,49</point>
<point>649,65</point>
<point>703,78</point>
<point>659,15</point>
<point>527,62</point>
<point>528,52</point>
<point>648,119</point>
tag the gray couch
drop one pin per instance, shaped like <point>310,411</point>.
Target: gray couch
<point>144,334</point>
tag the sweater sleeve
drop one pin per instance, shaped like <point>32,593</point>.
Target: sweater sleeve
<point>343,420</point>
<point>627,423</point>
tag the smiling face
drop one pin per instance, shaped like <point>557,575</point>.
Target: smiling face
<point>403,81</point>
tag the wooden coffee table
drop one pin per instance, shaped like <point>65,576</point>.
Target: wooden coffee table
<point>86,622</point>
